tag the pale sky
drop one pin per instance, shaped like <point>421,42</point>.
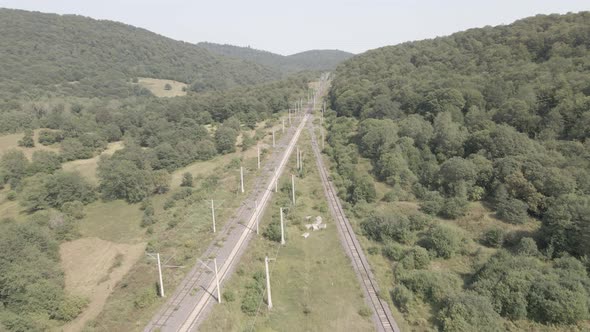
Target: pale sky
<point>288,27</point>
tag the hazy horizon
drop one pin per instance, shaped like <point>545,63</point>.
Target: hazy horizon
<point>353,26</point>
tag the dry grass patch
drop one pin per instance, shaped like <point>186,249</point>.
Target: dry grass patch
<point>9,142</point>
<point>92,269</point>
<point>158,87</point>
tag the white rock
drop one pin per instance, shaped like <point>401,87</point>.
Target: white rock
<point>305,235</point>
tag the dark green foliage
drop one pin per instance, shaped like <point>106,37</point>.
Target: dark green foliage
<point>113,54</point>
<point>566,224</point>
<point>44,191</point>
<point>430,286</point>
<point>454,207</point>
<point>48,137</point>
<point>310,60</point>
<point>527,247</point>
<point>443,240</point>
<point>31,282</point>
<point>521,287</point>
<point>73,209</point>
<point>27,141</point>
<point>512,210</point>
<point>167,87</point>
<point>415,258</point>
<point>253,296</point>
<point>393,251</point>
<point>225,139</point>
<point>44,162</point>
<point>467,312</point>
<point>402,297</point>
<point>13,167</point>
<point>493,237</point>
<point>122,179</point>
<point>72,149</point>
<point>187,180</point>
<point>387,227</point>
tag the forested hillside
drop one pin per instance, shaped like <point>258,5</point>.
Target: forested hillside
<point>495,118</point>
<point>74,55</point>
<point>309,60</point>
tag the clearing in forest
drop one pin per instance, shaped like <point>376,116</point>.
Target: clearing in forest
<point>163,88</point>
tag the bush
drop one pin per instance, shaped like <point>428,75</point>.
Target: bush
<point>365,311</point>
<point>556,303</point>
<point>443,240</point>
<point>416,258</point>
<point>228,296</point>
<point>382,228</point>
<point>402,297</point>
<point>454,207</point>
<point>527,247</point>
<point>469,312</point>
<point>187,180</point>
<point>48,137</point>
<point>145,298</point>
<point>419,221</point>
<point>393,251</point>
<point>493,238</point>
<point>71,308</point>
<point>11,195</point>
<point>273,232</point>
<point>431,286</point>
<point>512,210</point>
<point>74,209</point>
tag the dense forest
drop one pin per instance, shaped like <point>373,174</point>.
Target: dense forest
<point>497,115</point>
<point>308,60</point>
<point>49,54</point>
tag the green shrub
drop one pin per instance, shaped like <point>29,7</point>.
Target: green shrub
<point>493,238</point>
<point>187,180</point>
<point>527,247</point>
<point>74,209</point>
<point>415,258</point>
<point>512,210</point>
<point>11,195</point>
<point>402,297</point>
<point>443,240</point>
<point>365,311</point>
<point>228,296</point>
<point>145,298</point>
<point>454,207</point>
<point>557,303</point>
<point>431,286</point>
<point>419,221</point>
<point>71,308</point>
<point>393,251</point>
<point>469,312</point>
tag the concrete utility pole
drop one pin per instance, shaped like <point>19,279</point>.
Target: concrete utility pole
<point>257,217</point>
<point>258,154</point>
<point>160,275</point>
<point>289,117</point>
<point>282,227</point>
<point>217,281</point>
<point>293,187</point>
<point>268,283</point>
<point>216,276</point>
<point>273,137</point>
<point>213,215</point>
<point>276,182</point>
<point>297,156</point>
<point>242,178</point>
<point>283,129</point>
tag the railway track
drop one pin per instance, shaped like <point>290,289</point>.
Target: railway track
<point>191,300</point>
<point>382,316</point>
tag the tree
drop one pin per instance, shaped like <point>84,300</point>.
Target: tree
<point>122,179</point>
<point>13,164</point>
<point>27,141</point>
<point>469,312</point>
<point>161,181</point>
<point>225,139</point>
<point>44,162</point>
<point>54,190</point>
<point>187,180</point>
<point>443,240</point>
<point>167,87</point>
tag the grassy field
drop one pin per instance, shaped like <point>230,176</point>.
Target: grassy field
<point>10,141</point>
<point>157,87</point>
<point>313,285</point>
